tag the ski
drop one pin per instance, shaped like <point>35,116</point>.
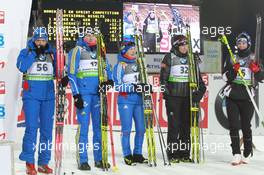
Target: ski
<point>151,147</point>
<point>197,59</point>
<point>149,111</point>
<point>255,84</point>
<point>147,98</point>
<point>60,92</point>
<point>101,58</point>
<point>194,107</point>
<point>257,59</point>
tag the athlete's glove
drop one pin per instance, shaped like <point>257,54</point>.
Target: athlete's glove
<point>197,96</point>
<point>254,67</point>
<point>64,81</point>
<point>78,101</point>
<point>236,67</point>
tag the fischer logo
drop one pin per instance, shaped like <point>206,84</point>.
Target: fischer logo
<point>2,17</point>
<point>2,40</point>
<point>2,87</point>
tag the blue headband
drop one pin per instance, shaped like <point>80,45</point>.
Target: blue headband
<point>125,48</point>
<point>40,33</point>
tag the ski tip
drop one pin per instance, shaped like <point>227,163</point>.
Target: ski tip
<point>115,169</point>
<point>150,165</point>
<point>167,163</point>
<point>235,164</point>
<point>133,164</point>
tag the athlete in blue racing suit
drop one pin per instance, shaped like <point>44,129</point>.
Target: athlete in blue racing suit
<point>37,63</point>
<point>130,105</point>
<point>83,78</point>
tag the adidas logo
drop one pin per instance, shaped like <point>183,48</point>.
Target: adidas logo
<point>85,104</point>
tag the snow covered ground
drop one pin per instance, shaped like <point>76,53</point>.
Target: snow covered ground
<point>217,154</point>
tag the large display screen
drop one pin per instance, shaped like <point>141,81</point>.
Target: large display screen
<point>158,22</point>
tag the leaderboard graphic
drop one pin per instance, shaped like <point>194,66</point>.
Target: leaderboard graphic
<point>82,17</point>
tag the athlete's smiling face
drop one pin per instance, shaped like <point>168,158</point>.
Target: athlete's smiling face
<point>242,45</point>
<point>90,38</point>
<point>131,52</point>
<point>183,49</point>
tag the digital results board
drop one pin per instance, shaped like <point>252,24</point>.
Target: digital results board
<point>80,17</point>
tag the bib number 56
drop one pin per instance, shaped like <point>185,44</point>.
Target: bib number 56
<point>41,67</point>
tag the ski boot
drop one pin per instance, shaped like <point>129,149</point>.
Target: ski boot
<point>175,160</point>
<point>45,169</point>
<point>246,157</point>
<point>236,160</point>
<point>31,169</point>
<point>129,160</point>
<point>84,166</point>
<point>138,158</point>
<point>99,164</point>
<point>186,160</point>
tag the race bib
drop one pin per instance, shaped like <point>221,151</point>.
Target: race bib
<point>88,65</point>
<point>246,74</point>
<point>132,78</point>
<point>179,71</point>
<point>41,69</point>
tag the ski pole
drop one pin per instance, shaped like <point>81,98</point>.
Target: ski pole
<point>194,107</point>
<point>111,135</point>
<point>161,138</point>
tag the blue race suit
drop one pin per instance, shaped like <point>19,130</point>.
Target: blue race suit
<point>130,104</point>
<point>38,101</point>
<point>83,76</point>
